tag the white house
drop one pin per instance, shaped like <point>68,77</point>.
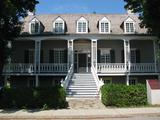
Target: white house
<point>82,50</point>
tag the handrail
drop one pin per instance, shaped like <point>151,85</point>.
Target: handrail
<point>67,78</point>
<point>99,83</point>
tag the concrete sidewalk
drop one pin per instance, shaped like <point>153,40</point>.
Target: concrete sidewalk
<point>78,113</point>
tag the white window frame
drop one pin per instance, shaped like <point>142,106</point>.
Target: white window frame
<point>59,59</point>
<point>82,20</point>
<point>34,21</point>
<point>59,21</point>
<point>107,52</point>
<point>133,50</point>
<point>129,21</point>
<point>104,20</point>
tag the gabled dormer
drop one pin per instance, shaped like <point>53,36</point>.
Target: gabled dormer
<point>129,26</point>
<point>34,26</point>
<point>58,26</point>
<point>82,25</point>
<point>104,25</point>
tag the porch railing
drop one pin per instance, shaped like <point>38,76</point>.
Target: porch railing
<point>24,68</point>
<point>142,67</point>
<point>65,82</point>
<point>110,67</point>
<point>120,68</point>
<point>53,68</point>
<point>19,68</point>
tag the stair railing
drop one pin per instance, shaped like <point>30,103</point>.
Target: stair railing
<point>99,82</point>
<point>65,82</point>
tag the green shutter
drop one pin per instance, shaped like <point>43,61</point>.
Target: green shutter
<point>26,56</point>
<point>122,56</point>
<point>112,52</point>
<point>51,56</point>
<point>138,57</point>
<point>98,55</point>
<point>41,56</point>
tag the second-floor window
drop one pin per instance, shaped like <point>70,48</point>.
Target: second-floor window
<point>129,27</point>
<point>58,26</point>
<point>82,25</point>
<point>104,25</point>
<point>34,28</point>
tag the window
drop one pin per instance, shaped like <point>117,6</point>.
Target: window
<point>132,81</point>
<point>58,56</point>
<point>135,56</point>
<point>82,25</point>
<point>32,83</point>
<point>129,26</point>
<point>106,55</point>
<point>58,26</point>
<point>34,26</point>
<point>29,56</point>
<point>104,25</point>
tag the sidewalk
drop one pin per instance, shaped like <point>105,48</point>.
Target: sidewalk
<point>79,109</point>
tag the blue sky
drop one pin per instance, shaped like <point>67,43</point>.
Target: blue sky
<point>80,6</point>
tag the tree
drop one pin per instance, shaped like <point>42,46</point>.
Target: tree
<point>11,14</point>
<point>149,13</point>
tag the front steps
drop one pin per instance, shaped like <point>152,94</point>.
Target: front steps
<point>82,86</point>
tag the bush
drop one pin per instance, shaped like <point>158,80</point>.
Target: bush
<point>123,96</point>
<point>44,98</point>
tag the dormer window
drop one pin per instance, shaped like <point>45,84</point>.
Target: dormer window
<point>129,26</point>
<point>34,27</point>
<point>104,25</point>
<point>82,25</point>
<point>58,26</point>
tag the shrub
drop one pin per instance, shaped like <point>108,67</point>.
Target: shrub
<point>44,98</point>
<point>122,95</point>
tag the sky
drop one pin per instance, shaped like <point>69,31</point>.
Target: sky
<point>80,6</point>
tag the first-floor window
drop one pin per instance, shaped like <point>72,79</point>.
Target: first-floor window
<point>58,56</point>
<point>29,56</point>
<point>32,83</point>
<point>135,56</point>
<point>106,55</point>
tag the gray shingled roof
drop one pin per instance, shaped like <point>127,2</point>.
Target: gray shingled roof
<point>70,20</point>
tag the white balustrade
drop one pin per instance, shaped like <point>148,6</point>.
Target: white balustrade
<point>67,78</point>
<point>19,68</point>
<point>142,67</point>
<point>110,67</point>
<point>53,68</point>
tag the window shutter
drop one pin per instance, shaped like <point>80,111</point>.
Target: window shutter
<point>41,56</point>
<point>51,56</point>
<point>26,56</point>
<point>138,56</point>
<point>65,56</point>
<point>112,53</point>
<point>98,55</point>
<point>122,56</point>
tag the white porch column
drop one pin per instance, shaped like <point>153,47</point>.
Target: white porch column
<point>94,53</point>
<point>155,54</point>
<point>127,60</point>
<point>70,52</point>
<point>127,55</point>
<point>37,55</point>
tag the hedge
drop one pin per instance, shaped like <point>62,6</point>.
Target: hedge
<point>123,96</point>
<point>44,98</point>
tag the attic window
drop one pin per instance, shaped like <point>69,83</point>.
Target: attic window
<point>58,26</point>
<point>34,26</point>
<point>104,25</point>
<point>129,26</point>
<point>82,25</point>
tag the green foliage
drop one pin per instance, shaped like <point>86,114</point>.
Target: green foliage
<point>149,11</point>
<point>11,14</point>
<point>44,98</point>
<point>122,95</point>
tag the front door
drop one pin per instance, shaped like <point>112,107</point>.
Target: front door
<point>82,62</point>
